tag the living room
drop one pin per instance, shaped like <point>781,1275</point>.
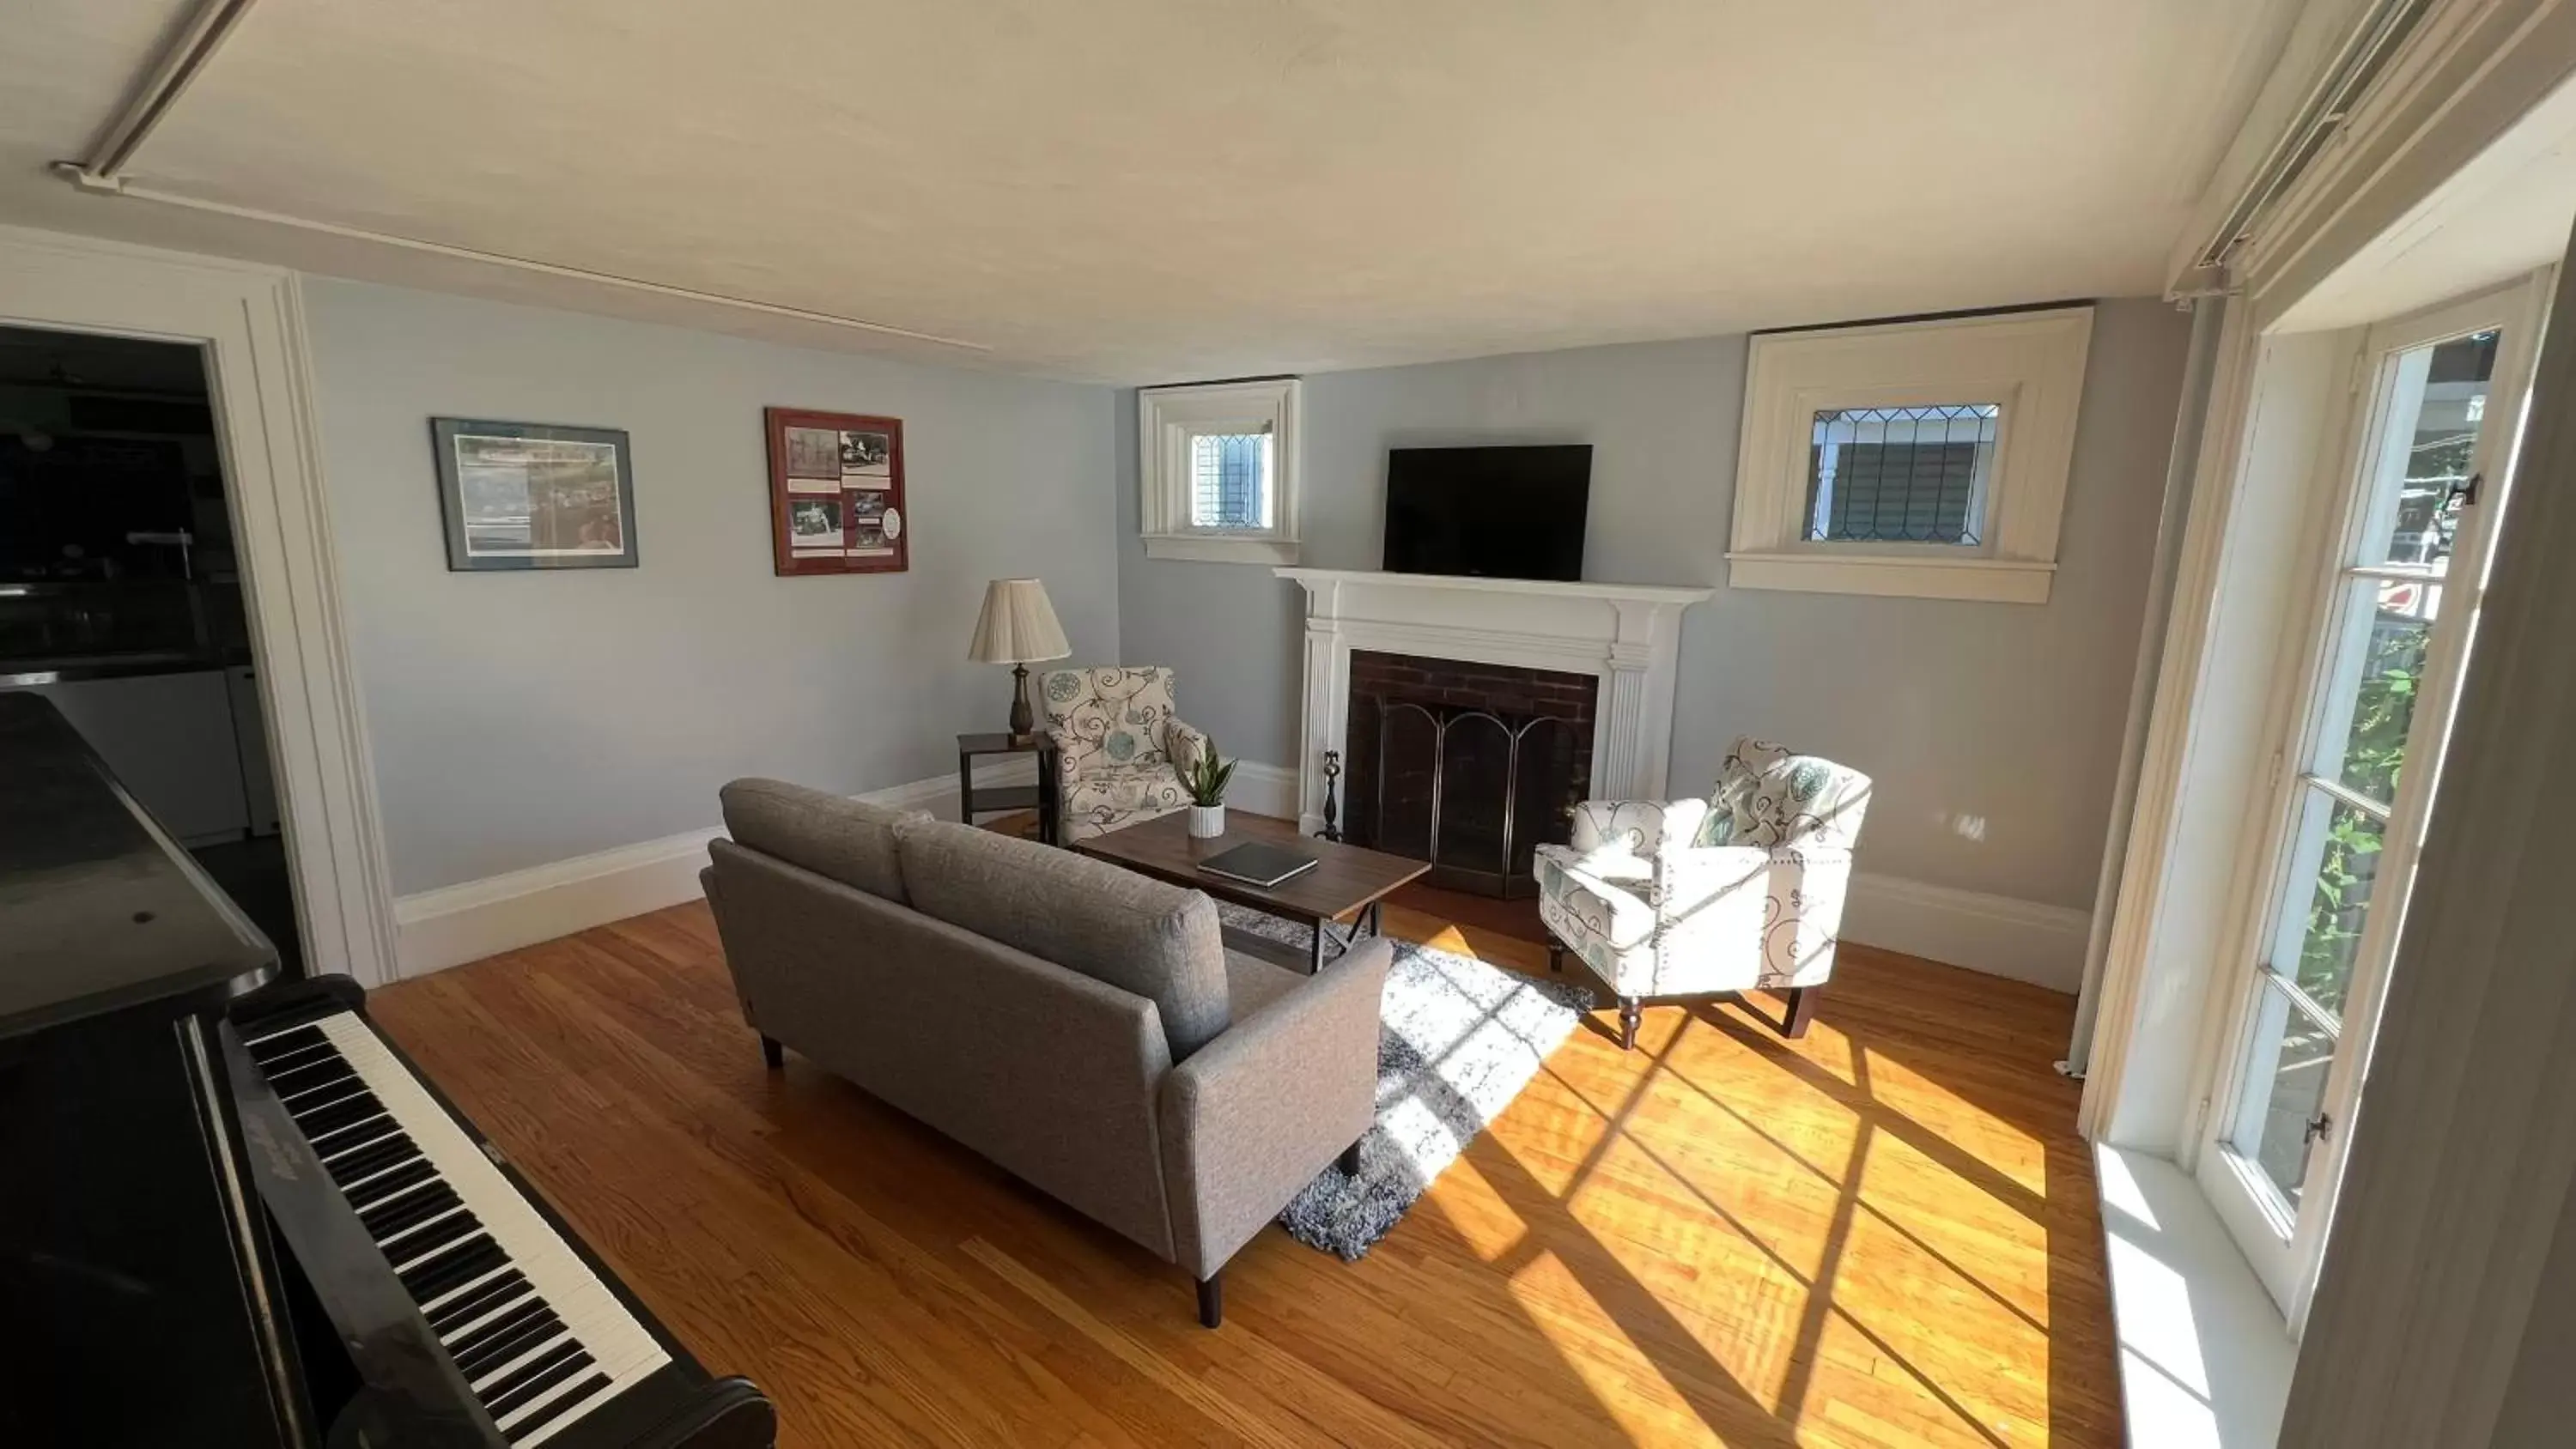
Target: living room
<point>1534,782</point>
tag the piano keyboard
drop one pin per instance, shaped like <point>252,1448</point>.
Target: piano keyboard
<point>535,1333</point>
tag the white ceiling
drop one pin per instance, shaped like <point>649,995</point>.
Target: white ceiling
<point>1146,190</point>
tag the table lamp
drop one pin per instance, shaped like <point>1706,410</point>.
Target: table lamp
<point>1017,628</point>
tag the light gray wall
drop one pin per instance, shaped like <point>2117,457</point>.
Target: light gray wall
<point>1991,729</point>
<point>522,718</point>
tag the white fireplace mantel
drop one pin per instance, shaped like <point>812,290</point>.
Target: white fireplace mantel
<point>1627,636</point>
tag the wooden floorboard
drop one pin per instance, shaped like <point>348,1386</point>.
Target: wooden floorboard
<point>1883,1234</point>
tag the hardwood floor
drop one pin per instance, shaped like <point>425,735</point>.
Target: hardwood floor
<point>1883,1234</point>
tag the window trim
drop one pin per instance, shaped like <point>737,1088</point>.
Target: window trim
<point>1167,418</point>
<point>2031,363</point>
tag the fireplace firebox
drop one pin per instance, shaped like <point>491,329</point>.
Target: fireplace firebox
<point>1468,766</point>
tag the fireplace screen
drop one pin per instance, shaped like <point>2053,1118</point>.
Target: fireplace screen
<point>1466,766</point>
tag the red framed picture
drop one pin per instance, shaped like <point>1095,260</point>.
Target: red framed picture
<point>836,503</point>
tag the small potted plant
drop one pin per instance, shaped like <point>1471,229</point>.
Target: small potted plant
<point>1206,778</point>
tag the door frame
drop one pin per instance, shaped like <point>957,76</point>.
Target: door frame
<point>2286,1254</point>
<point>248,322</point>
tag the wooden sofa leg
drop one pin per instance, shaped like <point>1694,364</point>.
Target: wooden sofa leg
<point>1629,1010</point>
<point>1802,1009</point>
<point>772,1053</point>
<point>1349,1161</point>
<point>1212,1299</point>
<point>1555,959</point>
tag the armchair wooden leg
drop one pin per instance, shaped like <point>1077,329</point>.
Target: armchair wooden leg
<point>1212,1299</point>
<point>1349,1161</point>
<point>1629,1010</point>
<point>772,1053</point>
<point>1802,1010</point>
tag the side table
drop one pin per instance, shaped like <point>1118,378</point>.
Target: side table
<point>991,799</point>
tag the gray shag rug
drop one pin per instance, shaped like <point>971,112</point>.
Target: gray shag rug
<point>1457,1041</point>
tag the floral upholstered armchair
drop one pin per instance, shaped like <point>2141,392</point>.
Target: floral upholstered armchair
<point>1120,749</point>
<point>1741,890</point>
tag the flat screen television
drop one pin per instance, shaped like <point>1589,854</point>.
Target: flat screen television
<point>1504,513</point>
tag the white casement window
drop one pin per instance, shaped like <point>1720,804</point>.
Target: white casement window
<point>1217,470</point>
<point>2386,647</point>
<point>1926,459</point>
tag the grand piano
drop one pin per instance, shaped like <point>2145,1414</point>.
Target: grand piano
<point>232,1213</point>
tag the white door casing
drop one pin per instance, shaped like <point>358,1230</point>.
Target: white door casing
<point>248,320</point>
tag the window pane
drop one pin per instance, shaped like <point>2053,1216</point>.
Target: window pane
<point>2285,1088</point>
<point>1901,475</point>
<point>2336,863</point>
<point>1230,480</point>
<point>2379,670</point>
<point>2438,411</point>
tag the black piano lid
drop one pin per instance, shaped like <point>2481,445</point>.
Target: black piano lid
<point>99,908</point>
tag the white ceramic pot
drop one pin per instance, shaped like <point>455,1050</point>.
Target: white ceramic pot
<point>1207,822</point>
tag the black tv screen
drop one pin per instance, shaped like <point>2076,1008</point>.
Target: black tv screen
<point>1504,513</point>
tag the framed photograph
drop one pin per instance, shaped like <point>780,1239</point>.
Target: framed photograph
<point>836,496</point>
<point>534,496</point>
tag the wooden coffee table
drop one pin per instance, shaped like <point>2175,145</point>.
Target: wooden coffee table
<point>1346,884</point>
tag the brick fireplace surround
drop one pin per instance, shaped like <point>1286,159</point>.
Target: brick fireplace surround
<point>1466,765</point>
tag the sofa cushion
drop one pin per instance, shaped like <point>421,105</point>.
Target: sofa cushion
<point>1252,983</point>
<point>1140,935</point>
<point>848,840</point>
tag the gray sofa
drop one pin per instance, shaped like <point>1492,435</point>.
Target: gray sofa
<point>1080,1025</point>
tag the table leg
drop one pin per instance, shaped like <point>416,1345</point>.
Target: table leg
<point>1315,961</point>
<point>965,789</point>
<point>1374,928</point>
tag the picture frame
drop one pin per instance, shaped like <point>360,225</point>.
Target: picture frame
<point>836,493</point>
<point>518,496</point>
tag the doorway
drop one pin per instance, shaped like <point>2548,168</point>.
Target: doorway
<point>121,597</point>
<point>243,325</point>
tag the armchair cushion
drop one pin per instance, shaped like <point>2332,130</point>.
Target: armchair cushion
<point>1769,796</point>
<point>1108,716</point>
<point>1108,796</point>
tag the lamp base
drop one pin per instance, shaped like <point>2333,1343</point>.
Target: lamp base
<point>1023,719</point>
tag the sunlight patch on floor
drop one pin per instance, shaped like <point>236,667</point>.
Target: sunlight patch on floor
<point>1631,1390</point>
<point>2009,1150</point>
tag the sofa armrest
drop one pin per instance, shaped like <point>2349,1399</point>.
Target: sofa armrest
<point>1253,1116</point>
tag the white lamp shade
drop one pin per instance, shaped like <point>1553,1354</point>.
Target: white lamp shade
<point>1017,626</point>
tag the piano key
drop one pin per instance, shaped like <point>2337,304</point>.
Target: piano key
<point>332,1144</point>
<point>437,1274</point>
<point>341,1112</point>
<point>291,1081</point>
<point>578,1393</point>
<point>470,1310</point>
<point>424,1238</point>
<point>355,1165</point>
<point>482,1280</point>
<point>399,1214</point>
<point>367,1192</point>
<point>503,1357</point>
<point>520,1388</point>
<point>276,1044</point>
<point>496,1342</point>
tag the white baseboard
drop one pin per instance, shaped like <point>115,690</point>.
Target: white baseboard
<point>435,929</point>
<point>1998,935</point>
<point>1259,789</point>
<point>451,925</point>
